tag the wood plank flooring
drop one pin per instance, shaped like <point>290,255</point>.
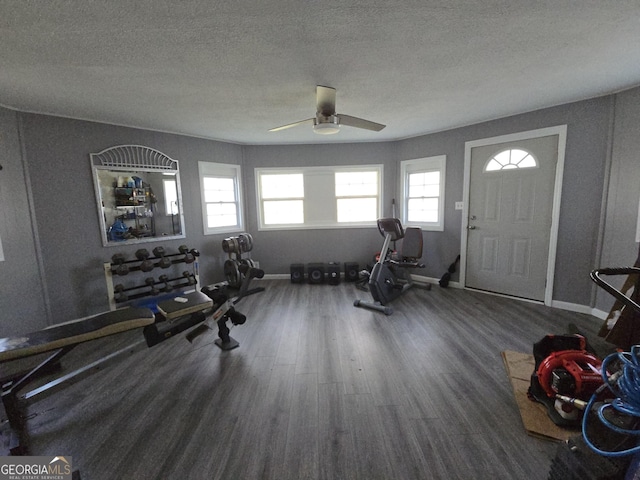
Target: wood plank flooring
<point>318,389</point>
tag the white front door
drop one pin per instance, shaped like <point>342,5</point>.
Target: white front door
<point>509,216</point>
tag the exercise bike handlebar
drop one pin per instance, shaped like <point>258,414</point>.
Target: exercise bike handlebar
<point>595,276</point>
<point>390,226</point>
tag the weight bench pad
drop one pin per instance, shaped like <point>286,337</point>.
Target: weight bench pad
<point>74,332</point>
<point>191,303</point>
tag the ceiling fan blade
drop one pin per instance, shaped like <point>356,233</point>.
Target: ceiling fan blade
<point>360,123</point>
<point>284,127</point>
<point>325,100</point>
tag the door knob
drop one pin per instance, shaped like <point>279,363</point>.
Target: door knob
<point>471,227</point>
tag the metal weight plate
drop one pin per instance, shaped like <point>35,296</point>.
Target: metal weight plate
<point>248,262</point>
<point>226,245</point>
<point>231,273</point>
<point>246,242</point>
<point>231,245</point>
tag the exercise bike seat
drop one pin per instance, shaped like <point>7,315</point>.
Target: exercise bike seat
<point>411,248</point>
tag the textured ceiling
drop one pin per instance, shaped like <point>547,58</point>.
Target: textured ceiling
<point>230,70</point>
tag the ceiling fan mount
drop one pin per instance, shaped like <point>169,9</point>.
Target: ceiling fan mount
<point>327,121</point>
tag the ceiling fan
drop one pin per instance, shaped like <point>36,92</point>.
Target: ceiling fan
<point>327,121</point>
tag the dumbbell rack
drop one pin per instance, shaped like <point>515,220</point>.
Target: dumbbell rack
<point>236,247</point>
<point>122,294</point>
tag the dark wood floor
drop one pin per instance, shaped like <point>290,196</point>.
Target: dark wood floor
<point>317,389</point>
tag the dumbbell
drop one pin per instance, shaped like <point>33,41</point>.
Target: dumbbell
<point>188,256</point>
<point>121,268</point>
<point>152,283</point>
<point>164,261</point>
<point>120,296</point>
<point>190,277</point>
<point>165,279</point>
<point>146,265</point>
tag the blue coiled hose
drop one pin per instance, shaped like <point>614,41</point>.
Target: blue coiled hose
<point>625,384</point>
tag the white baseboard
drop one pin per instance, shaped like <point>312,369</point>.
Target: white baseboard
<point>277,276</point>
<point>574,307</point>
<point>417,278</point>
<point>571,307</point>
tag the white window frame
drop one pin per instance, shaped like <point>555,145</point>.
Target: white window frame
<point>418,165</point>
<point>320,200</point>
<point>222,170</point>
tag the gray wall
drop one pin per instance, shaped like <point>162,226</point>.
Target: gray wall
<point>62,243</point>
<point>588,143</point>
<point>57,152</point>
<point>22,294</point>
<point>619,246</point>
<point>276,250</point>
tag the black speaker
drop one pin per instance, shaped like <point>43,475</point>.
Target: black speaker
<point>333,273</point>
<point>315,272</point>
<point>351,272</point>
<point>297,272</point>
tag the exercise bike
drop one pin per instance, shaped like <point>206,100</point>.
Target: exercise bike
<point>389,277</point>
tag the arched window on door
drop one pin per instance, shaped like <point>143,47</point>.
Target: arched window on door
<point>510,159</point>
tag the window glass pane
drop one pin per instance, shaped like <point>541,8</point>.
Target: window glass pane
<point>424,191</point>
<point>350,184</point>
<point>218,189</point>
<point>517,155</point>
<point>424,184</point>
<point>503,157</point>
<point>221,215</point>
<point>283,212</point>
<point>527,162</point>
<point>422,210</point>
<point>424,178</point>
<point>493,165</point>
<point>357,209</point>
<point>170,197</point>
<point>290,185</point>
<point>221,209</point>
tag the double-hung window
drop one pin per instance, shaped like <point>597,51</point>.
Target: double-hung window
<point>357,196</point>
<point>281,198</point>
<point>422,192</point>
<point>318,197</point>
<point>220,186</point>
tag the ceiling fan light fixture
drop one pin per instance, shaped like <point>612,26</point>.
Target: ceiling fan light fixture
<point>328,127</point>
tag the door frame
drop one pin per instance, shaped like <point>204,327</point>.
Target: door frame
<point>561,131</point>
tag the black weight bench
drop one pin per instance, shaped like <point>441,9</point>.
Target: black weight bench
<point>174,316</point>
<point>63,338</point>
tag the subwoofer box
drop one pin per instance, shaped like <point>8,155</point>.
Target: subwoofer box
<point>315,272</point>
<point>351,272</point>
<point>297,272</point>
<point>333,273</point>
